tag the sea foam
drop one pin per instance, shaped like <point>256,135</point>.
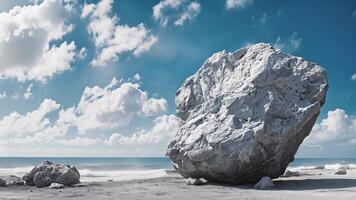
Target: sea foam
<point>335,166</point>
<point>97,175</point>
<point>121,175</point>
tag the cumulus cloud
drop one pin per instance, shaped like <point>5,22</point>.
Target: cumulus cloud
<point>25,38</point>
<point>190,13</point>
<point>231,4</point>
<point>32,122</point>
<point>291,44</point>
<point>100,108</point>
<point>178,11</point>
<point>112,39</point>
<point>79,141</point>
<point>165,127</point>
<point>353,77</point>
<point>111,107</point>
<point>338,128</point>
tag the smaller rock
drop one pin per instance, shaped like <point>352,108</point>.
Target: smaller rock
<point>340,172</point>
<point>264,183</point>
<point>56,186</point>
<point>110,180</point>
<point>13,180</point>
<point>194,181</point>
<point>2,182</point>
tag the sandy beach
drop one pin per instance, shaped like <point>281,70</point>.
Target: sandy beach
<point>319,184</point>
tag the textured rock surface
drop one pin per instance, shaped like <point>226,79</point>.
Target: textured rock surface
<point>13,180</point>
<point>193,181</point>
<point>47,172</point>
<point>2,183</point>
<point>340,172</point>
<point>244,114</point>
<point>264,183</point>
<point>289,173</point>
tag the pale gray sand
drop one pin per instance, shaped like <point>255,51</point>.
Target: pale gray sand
<point>326,186</point>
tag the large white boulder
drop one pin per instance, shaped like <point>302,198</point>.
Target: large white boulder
<point>244,114</point>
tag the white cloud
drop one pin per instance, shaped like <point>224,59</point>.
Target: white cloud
<point>82,53</point>
<point>137,77</point>
<point>192,11</point>
<point>112,39</point>
<point>353,77</point>
<point>35,27</point>
<point>87,10</point>
<point>291,44</point>
<point>178,11</point>
<point>28,94</point>
<point>111,107</point>
<point>158,10</point>
<point>30,123</point>
<point>107,109</point>
<point>165,127</point>
<point>230,4</point>
<point>338,128</point>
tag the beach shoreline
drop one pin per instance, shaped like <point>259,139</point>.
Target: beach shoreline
<point>313,184</point>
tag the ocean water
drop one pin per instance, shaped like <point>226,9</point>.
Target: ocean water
<point>94,169</point>
<point>119,168</point>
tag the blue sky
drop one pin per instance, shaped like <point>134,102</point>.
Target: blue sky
<point>150,47</point>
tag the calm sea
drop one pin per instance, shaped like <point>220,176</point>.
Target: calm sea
<point>103,168</point>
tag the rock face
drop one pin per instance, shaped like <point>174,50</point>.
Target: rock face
<point>340,172</point>
<point>2,182</point>
<point>47,172</point>
<point>13,180</point>
<point>244,114</point>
